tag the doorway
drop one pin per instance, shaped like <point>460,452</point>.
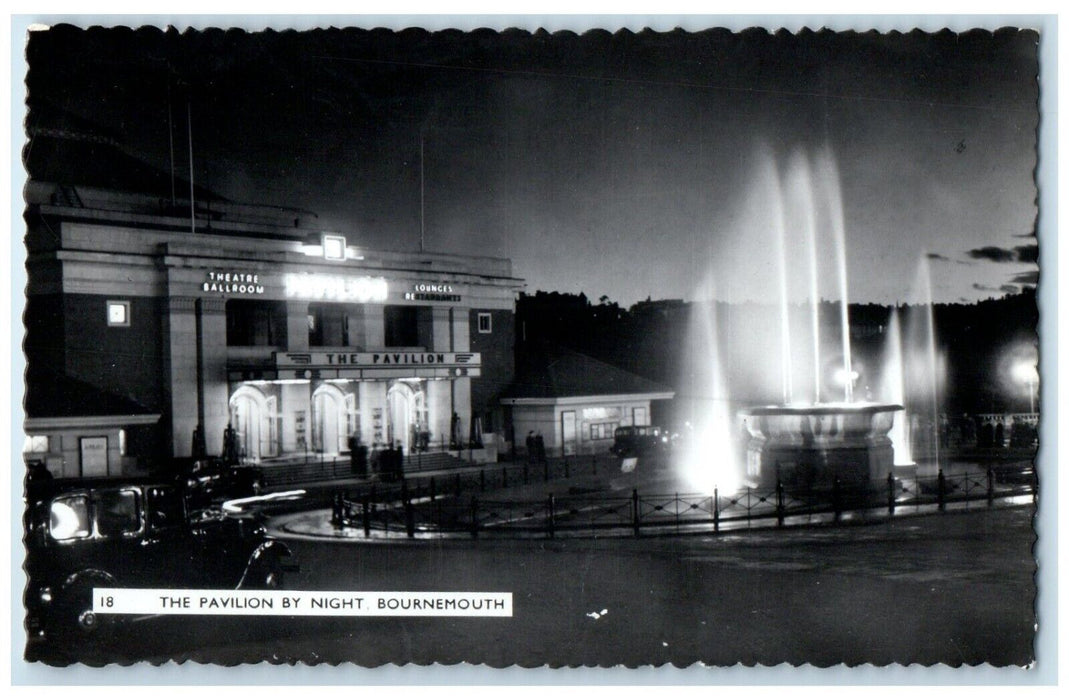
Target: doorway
<point>406,414</point>
<point>329,420</point>
<point>251,416</point>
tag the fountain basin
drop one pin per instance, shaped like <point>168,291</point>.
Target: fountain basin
<point>812,447</point>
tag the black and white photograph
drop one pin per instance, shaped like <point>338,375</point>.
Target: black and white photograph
<point>525,347</point>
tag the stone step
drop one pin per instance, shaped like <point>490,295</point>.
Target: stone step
<point>297,470</point>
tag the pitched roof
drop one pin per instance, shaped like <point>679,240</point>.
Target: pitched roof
<point>548,371</point>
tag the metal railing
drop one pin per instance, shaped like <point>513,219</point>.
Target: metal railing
<point>454,506</point>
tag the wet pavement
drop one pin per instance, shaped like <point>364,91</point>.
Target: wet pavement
<point>951,588</point>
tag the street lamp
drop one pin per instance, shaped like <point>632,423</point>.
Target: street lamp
<point>1025,372</point>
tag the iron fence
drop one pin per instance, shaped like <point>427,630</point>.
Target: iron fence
<point>455,505</point>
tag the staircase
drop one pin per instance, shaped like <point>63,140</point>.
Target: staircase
<point>289,471</point>
<point>432,461</point>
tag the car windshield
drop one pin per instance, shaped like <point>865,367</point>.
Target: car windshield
<point>118,513</point>
<point>69,518</point>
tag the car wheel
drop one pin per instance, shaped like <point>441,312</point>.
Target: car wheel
<point>76,617</point>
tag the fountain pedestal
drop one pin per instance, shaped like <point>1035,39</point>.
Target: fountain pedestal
<point>810,447</point>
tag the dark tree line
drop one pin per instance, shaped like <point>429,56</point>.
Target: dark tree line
<point>979,341</point>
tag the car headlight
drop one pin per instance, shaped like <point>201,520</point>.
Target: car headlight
<point>45,594</point>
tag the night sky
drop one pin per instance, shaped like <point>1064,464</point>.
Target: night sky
<point>626,165</point>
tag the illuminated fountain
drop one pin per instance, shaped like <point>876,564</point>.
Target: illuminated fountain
<point>924,371</point>
<point>810,439</point>
<point>893,388</point>
<point>708,455</point>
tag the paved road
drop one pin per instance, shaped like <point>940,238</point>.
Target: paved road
<point>953,588</point>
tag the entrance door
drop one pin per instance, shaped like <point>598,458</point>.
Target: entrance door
<point>639,417</point>
<point>93,453</point>
<point>254,418</point>
<point>326,436</point>
<point>568,431</point>
<point>399,414</point>
<point>245,418</point>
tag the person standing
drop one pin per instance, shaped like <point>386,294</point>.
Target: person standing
<point>230,445</point>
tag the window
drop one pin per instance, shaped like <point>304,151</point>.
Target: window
<point>118,513</point>
<point>401,326</point>
<point>35,443</point>
<point>603,431</point>
<point>485,323</point>
<point>334,247</point>
<point>255,323</point>
<point>328,325</point>
<point>119,313</point>
<point>69,518</point>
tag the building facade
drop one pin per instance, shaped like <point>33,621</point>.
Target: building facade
<point>575,402</point>
<point>250,317</point>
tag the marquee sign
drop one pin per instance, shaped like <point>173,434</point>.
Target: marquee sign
<point>363,360</point>
<point>336,287</point>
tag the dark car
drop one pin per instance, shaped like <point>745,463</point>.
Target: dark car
<point>211,480</point>
<point>108,534</point>
<point>640,441</point>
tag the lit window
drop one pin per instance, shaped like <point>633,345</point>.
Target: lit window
<point>334,247</point>
<point>603,431</point>
<point>34,444</point>
<point>69,518</point>
<point>118,313</point>
<point>122,442</point>
<point>485,323</point>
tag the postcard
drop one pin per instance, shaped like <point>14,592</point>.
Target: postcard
<point>525,347</point>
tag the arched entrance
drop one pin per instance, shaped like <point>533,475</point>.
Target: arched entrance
<point>252,416</point>
<point>406,413</point>
<point>329,420</point>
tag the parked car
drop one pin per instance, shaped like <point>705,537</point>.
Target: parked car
<point>211,480</point>
<point>86,533</point>
<point>640,440</point>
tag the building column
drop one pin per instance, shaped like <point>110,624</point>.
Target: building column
<point>357,331</point>
<point>296,326</point>
<point>461,330</point>
<point>372,398</point>
<point>180,372</point>
<point>440,331</point>
<point>295,399</point>
<point>462,405</point>
<point>374,326</point>
<point>439,411</point>
<point>213,379</point>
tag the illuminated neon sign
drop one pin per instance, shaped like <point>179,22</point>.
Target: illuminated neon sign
<point>337,288</point>
<point>233,282</point>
